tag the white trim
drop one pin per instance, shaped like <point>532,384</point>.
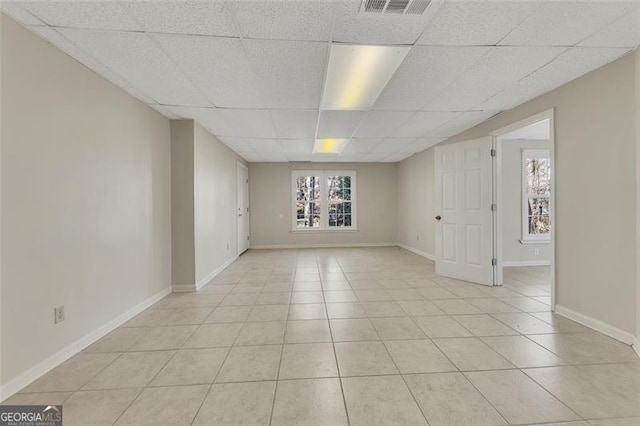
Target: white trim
<point>303,246</point>
<point>599,326</point>
<point>64,354</point>
<point>496,135</point>
<point>215,272</point>
<point>320,230</point>
<point>507,263</point>
<point>636,345</point>
<point>182,288</point>
<point>418,252</point>
<point>185,288</point>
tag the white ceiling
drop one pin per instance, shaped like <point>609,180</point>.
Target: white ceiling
<point>252,72</point>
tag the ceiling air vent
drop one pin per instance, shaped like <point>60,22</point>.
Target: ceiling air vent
<point>399,7</point>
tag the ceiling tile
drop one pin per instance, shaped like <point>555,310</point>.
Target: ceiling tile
<point>218,66</point>
<point>138,59</point>
<point>460,123</point>
<point>103,15</point>
<point>624,32</point>
<point>247,123</point>
<point>421,123</point>
<point>565,23</point>
<point>375,157</point>
<point>290,73</point>
<point>20,14</point>
<point>61,42</point>
<point>164,111</point>
<point>285,20</point>
<point>206,117</point>
<point>425,143</point>
<point>394,158</point>
<point>273,157</point>
<point>297,146</point>
<point>264,145</point>
<point>570,65</point>
<point>395,145</point>
<point>236,144</point>
<point>299,157</point>
<point>379,124</point>
<point>184,17</point>
<point>425,72</point>
<point>252,157</point>
<point>295,124</point>
<point>475,23</point>
<point>339,124</point>
<point>352,26</point>
<point>495,71</point>
<point>361,146</point>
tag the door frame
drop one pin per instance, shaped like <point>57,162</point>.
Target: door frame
<point>497,144</point>
<point>245,215</point>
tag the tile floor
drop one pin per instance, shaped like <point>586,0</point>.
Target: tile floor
<point>348,336</point>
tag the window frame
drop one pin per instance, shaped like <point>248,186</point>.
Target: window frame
<point>528,238</point>
<point>324,200</point>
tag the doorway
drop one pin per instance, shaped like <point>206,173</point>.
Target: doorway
<point>494,199</point>
<point>524,192</point>
<point>242,199</point>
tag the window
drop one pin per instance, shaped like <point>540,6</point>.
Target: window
<point>324,200</point>
<point>536,195</point>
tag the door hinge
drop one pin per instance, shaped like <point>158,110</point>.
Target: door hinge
<point>248,238</point>
<point>493,152</point>
<point>494,261</point>
<point>494,207</point>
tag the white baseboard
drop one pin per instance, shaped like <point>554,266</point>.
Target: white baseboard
<point>215,272</point>
<point>416,251</point>
<point>508,263</point>
<point>636,345</point>
<point>64,354</point>
<point>303,246</point>
<point>182,288</point>
<point>599,326</point>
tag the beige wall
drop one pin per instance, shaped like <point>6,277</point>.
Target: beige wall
<point>216,237</point>
<point>270,195</point>
<point>637,344</point>
<point>513,251</point>
<point>203,189</point>
<point>183,270</point>
<point>85,201</point>
<point>595,161</point>
<point>416,202</point>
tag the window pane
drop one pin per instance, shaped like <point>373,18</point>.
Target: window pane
<point>539,225</point>
<point>347,194</point>
<point>307,188</point>
<point>538,176</point>
<point>347,220</point>
<point>347,181</point>
<point>347,207</point>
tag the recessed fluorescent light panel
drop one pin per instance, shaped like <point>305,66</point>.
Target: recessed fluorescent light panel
<point>329,146</point>
<point>357,74</point>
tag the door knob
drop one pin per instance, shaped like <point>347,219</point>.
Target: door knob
<point>438,217</point>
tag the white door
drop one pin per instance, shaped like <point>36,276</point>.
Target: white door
<point>243,208</point>
<point>464,244</point>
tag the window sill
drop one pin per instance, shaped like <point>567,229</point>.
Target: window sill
<point>316,231</point>
<point>526,242</point>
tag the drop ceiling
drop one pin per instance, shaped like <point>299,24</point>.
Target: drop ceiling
<point>252,72</point>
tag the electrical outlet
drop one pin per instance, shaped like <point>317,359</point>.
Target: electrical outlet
<point>536,252</point>
<point>417,237</point>
<point>58,314</point>
<point>227,246</point>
